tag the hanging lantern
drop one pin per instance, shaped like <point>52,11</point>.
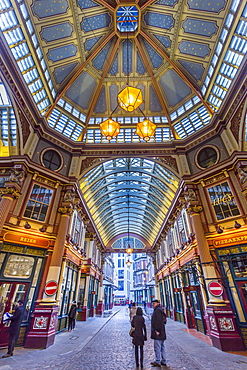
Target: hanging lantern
<point>109,128</point>
<point>130,98</point>
<point>128,263</point>
<point>145,129</point>
<point>129,250</point>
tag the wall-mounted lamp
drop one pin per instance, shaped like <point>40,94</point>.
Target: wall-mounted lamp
<point>219,230</point>
<point>237,225</point>
<point>42,229</point>
<point>27,225</point>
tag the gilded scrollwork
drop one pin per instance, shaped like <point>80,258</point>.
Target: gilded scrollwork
<point>194,209</point>
<point>64,210</point>
<point>10,191</point>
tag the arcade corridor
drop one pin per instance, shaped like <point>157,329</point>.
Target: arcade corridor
<point>104,344</point>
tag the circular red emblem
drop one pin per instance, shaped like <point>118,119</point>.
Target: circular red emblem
<point>215,288</point>
<point>51,287</point>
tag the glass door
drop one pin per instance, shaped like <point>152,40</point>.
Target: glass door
<point>242,288</point>
<point>10,294</point>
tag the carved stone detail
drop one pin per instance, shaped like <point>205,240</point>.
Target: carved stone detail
<point>190,195</point>
<point>236,120</point>
<point>169,161</point>
<point>88,162</point>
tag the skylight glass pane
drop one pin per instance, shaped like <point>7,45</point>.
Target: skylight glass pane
<point>5,4</point>
<point>8,20</point>
<point>24,11</point>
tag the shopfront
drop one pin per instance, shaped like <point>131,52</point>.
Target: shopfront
<point>20,271</point>
<point>67,293</point>
<point>233,263</point>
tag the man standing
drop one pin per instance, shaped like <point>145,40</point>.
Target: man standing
<point>158,333</point>
<point>14,328</point>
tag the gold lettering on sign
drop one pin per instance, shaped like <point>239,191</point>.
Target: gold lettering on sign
<point>226,198</point>
<point>28,240</point>
<point>230,240</point>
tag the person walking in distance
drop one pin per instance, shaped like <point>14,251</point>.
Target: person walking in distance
<point>14,328</point>
<point>72,316</point>
<point>158,333</point>
<point>139,335</point>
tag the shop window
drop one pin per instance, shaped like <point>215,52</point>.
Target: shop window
<point>77,228</point>
<point>181,230</point>
<point>38,203</point>
<point>121,274</point>
<point>121,285</point>
<point>2,255</point>
<point>19,267</point>
<point>51,160</point>
<point>195,304</point>
<point>240,266</point>
<point>223,201</point>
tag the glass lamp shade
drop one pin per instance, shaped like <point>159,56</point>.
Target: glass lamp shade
<point>145,129</point>
<point>109,128</point>
<point>128,263</point>
<point>130,98</point>
<point>129,250</point>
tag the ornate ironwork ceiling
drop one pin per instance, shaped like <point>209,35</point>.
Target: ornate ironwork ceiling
<point>132,192</point>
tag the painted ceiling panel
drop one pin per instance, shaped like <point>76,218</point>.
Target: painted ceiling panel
<point>198,27</point>
<point>194,48</point>
<point>114,90</point>
<point>167,2</point>
<point>99,60</point>
<point>127,56</point>
<point>85,4</point>
<point>57,32</point>
<point>159,20</point>
<point>101,103</point>
<point>154,101</point>
<point>60,73</point>
<point>49,8</point>
<point>155,58</point>
<point>114,68</point>
<point>62,52</point>
<point>174,88</point>
<point>164,40</point>
<point>205,5</point>
<point>96,22</point>
<point>140,67</point>
<point>80,92</point>
<point>90,42</point>
<point>195,69</point>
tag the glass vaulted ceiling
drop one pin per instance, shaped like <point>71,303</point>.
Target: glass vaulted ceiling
<point>129,188</point>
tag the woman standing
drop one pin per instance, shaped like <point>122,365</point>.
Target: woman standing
<point>139,335</point>
<point>72,316</point>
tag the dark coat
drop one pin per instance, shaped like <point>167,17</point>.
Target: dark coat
<point>16,320</point>
<point>158,322</point>
<point>140,332</point>
<point>72,311</point>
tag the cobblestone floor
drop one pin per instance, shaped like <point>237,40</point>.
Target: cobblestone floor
<point>110,348</point>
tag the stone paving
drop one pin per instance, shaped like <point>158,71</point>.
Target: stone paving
<point>105,344</point>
